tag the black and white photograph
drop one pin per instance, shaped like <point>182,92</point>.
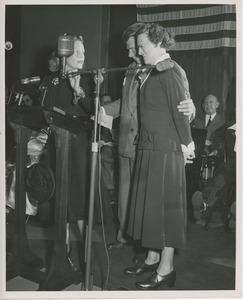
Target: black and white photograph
<point>121,156</point>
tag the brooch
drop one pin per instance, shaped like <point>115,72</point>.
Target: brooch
<point>55,81</point>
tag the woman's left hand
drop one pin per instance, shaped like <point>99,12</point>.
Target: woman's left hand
<point>188,157</point>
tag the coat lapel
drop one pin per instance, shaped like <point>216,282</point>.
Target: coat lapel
<point>133,90</point>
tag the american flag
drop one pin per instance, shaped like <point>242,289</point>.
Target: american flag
<point>196,27</point>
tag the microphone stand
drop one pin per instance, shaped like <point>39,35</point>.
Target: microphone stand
<point>94,149</point>
<point>64,61</point>
<point>88,283</point>
<point>104,70</point>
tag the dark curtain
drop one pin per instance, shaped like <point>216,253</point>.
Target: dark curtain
<point>213,74</point>
<point>121,16</point>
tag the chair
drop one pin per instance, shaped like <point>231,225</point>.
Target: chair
<point>217,195</point>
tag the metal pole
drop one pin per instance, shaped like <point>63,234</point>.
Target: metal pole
<point>88,252</point>
<point>104,70</point>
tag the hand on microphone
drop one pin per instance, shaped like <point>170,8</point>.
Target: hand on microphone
<point>78,91</point>
<point>75,83</point>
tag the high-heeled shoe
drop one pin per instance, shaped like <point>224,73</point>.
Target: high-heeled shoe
<point>154,281</point>
<point>140,269</point>
<point>73,266</point>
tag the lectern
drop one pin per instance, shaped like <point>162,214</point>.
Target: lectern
<point>60,273</point>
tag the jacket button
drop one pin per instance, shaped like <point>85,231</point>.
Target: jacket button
<point>131,129</point>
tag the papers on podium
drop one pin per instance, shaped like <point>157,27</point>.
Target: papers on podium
<point>104,119</point>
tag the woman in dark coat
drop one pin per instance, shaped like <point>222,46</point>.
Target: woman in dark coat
<point>60,92</point>
<point>158,207</point>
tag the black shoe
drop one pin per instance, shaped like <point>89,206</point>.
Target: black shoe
<point>116,245</point>
<point>154,281</point>
<point>140,269</point>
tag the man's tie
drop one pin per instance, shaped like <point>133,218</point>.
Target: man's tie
<point>209,122</point>
<point>142,75</point>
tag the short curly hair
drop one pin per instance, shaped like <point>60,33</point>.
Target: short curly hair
<point>156,33</point>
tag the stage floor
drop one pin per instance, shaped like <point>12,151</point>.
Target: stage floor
<point>207,264</point>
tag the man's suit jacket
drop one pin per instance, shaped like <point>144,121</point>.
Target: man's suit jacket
<point>128,111</point>
<point>217,122</point>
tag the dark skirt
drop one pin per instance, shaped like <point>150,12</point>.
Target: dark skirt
<point>79,178</point>
<point>158,204</point>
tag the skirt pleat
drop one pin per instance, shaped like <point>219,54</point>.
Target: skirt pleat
<point>158,203</point>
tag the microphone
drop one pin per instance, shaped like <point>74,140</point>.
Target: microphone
<point>164,65</point>
<point>31,80</point>
<point>65,48</point>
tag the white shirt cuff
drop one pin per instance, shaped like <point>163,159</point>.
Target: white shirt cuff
<point>189,148</point>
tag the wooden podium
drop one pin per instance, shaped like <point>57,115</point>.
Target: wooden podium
<point>60,273</point>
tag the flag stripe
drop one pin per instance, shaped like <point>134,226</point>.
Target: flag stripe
<point>203,28</point>
<point>184,11</point>
<point>205,44</point>
<point>189,21</point>
<point>195,26</point>
<point>204,52</point>
<point>206,36</point>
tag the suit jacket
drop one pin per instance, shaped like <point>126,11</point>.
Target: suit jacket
<point>217,122</point>
<point>127,108</point>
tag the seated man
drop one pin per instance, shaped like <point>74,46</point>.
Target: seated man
<point>210,122</point>
<point>211,119</point>
<point>220,190</point>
